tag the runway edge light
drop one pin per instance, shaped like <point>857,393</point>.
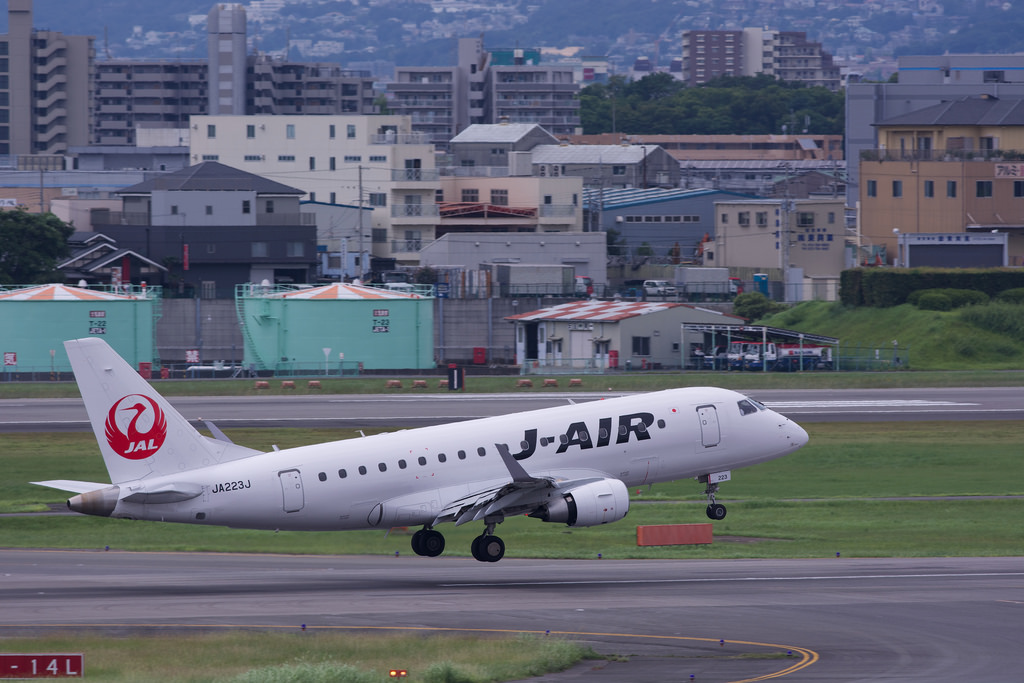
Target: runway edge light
<point>397,673</point>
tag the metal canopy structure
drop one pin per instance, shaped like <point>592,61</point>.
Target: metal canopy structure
<point>725,335</point>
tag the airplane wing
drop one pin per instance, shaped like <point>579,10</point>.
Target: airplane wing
<point>524,494</point>
<point>72,485</point>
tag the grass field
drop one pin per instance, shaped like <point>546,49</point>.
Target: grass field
<point>858,488</point>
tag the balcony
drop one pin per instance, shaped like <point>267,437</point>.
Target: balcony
<point>400,139</point>
<point>414,175</point>
<point>409,246</point>
<point>414,211</point>
<point>957,155</point>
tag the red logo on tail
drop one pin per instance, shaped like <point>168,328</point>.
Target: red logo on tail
<point>126,421</point>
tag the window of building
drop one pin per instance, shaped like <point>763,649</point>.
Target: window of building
<point>330,131</point>
<point>269,206</point>
<point>250,131</point>
<point>334,198</point>
<point>286,157</point>
<point>289,131</point>
<point>209,210</point>
<point>1018,188</point>
<point>211,157</point>
<point>312,163</point>
<point>331,164</point>
<point>641,346</point>
<point>246,206</point>
<point>470,195</point>
<point>762,219</point>
<point>950,188</point>
<point>350,131</point>
<point>353,158</point>
<point>743,218</point>
<point>211,131</point>
<point>174,209</point>
<point>805,219</point>
<point>897,188</point>
<point>618,170</point>
<point>378,159</point>
<point>725,219</point>
<point>983,188</point>
<point>872,188</point>
<point>253,157</point>
<point>378,199</point>
<point>312,196</point>
<point>929,188</point>
<point>259,249</point>
<point>296,249</point>
<point>499,197</point>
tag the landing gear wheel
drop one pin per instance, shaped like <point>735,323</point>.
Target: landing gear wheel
<point>487,548</point>
<point>428,543</point>
<point>433,543</point>
<point>716,511</point>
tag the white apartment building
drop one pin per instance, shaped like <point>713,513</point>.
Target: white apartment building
<point>375,161</point>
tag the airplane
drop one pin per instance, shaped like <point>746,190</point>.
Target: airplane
<point>570,464</point>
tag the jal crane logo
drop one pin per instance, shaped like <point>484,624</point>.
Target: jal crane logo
<point>135,427</point>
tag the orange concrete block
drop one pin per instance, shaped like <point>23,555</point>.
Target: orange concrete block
<point>575,382</point>
<point>314,384</point>
<point>551,382</point>
<point>287,384</point>
<point>442,383</point>
<point>419,384</point>
<point>674,534</point>
<point>524,383</point>
<point>262,385</point>
<point>394,384</point>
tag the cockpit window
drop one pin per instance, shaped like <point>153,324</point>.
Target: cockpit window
<point>747,407</point>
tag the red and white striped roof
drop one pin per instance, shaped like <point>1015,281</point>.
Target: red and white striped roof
<point>56,292</point>
<point>597,311</point>
<point>344,291</point>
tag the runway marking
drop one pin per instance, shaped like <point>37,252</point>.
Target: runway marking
<point>908,403</point>
<point>807,656</point>
<point>841,577</point>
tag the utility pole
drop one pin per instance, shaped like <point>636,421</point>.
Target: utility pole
<point>362,255</point>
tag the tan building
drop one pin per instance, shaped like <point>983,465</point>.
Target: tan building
<point>955,167</point>
<point>45,89</point>
<point>747,240</point>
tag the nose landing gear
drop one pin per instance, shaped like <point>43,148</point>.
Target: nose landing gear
<point>715,511</point>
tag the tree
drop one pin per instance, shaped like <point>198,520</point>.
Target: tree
<point>30,245</point>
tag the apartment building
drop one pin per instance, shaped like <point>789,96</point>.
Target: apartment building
<point>375,161</point>
<point>786,55</point>
<point>486,87</point>
<point>952,168</point>
<point>45,90</point>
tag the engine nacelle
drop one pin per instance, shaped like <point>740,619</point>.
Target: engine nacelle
<point>598,502</point>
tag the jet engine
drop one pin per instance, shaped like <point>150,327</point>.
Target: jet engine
<point>598,502</point>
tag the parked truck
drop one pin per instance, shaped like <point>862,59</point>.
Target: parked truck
<point>524,279</point>
<point>697,283</point>
<point>751,355</point>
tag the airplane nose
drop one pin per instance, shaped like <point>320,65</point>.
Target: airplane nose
<point>797,435</point>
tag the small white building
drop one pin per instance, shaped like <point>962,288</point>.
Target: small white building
<point>599,335</point>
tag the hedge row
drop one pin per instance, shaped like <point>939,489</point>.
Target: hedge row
<point>884,287</point>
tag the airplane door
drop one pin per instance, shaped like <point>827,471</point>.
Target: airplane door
<point>291,488</point>
<point>710,433</point>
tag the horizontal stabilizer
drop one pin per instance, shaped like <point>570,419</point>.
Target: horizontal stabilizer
<point>72,485</point>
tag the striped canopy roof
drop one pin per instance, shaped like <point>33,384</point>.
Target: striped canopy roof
<point>57,292</point>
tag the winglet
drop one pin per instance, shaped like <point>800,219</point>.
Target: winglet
<point>514,468</point>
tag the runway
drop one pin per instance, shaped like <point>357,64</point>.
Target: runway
<point>838,619</point>
<point>831,619</point>
<point>367,411</point>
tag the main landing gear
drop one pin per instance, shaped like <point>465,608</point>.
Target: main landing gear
<point>486,547</point>
<point>428,542</point>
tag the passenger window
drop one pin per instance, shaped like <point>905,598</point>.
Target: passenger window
<point>342,474</point>
<point>462,455</point>
<point>422,460</point>
<point>481,451</point>
<point>382,467</point>
<point>441,457</point>
<point>401,464</point>
<point>322,476</point>
<point>362,469</point>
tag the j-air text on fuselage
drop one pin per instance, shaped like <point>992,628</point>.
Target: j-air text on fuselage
<point>571,464</point>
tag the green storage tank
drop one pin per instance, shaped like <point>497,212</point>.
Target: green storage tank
<point>335,328</point>
<point>36,320</point>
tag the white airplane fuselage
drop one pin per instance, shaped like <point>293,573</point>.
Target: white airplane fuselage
<point>405,478</point>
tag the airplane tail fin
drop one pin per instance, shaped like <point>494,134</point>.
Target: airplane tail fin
<point>139,433</point>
